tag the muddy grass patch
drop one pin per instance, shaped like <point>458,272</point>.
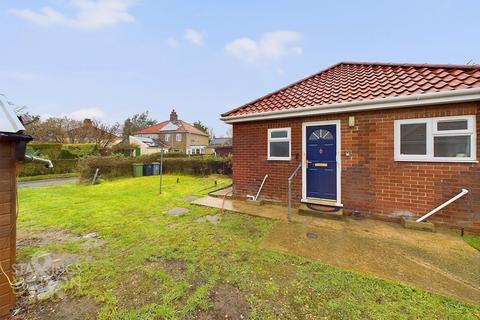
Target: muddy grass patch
<point>228,303</point>
<point>150,282</point>
<point>29,238</point>
<point>73,309</point>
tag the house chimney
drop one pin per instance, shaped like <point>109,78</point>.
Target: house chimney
<point>173,116</point>
<point>87,122</point>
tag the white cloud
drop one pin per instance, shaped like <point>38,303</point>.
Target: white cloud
<point>172,42</point>
<point>272,45</point>
<point>194,36</point>
<point>89,14</point>
<point>81,114</point>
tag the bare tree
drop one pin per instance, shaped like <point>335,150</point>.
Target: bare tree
<point>94,131</point>
<point>52,129</point>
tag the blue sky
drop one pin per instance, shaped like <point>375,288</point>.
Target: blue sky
<point>110,59</point>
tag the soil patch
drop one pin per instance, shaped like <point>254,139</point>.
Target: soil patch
<point>26,238</point>
<point>143,287</point>
<point>72,309</point>
<point>228,303</point>
<point>176,268</point>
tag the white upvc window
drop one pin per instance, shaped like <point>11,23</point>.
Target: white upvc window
<point>178,137</point>
<point>279,144</point>
<point>443,139</point>
<point>167,137</point>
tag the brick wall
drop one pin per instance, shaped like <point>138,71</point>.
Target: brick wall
<point>7,225</point>
<point>372,182</point>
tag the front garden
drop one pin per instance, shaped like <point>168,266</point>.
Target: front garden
<point>137,255</point>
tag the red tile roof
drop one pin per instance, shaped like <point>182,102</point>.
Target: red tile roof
<point>360,81</point>
<point>182,127</point>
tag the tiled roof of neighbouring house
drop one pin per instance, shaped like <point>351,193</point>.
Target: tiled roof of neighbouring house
<point>362,81</point>
<point>172,126</point>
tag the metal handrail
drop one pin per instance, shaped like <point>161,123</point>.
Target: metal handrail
<point>294,173</point>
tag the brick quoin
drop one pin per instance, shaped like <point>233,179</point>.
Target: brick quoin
<point>372,182</point>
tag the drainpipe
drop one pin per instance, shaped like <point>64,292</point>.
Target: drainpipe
<point>48,163</point>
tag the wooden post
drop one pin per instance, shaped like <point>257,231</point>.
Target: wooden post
<point>161,169</point>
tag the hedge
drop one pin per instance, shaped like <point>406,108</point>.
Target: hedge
<point>59,166</point>
<point>63,151</point>
<point>48,150</point>
<point>115,166</point>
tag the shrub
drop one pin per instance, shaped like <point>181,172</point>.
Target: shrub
<point>59,166</point>
<point>81,149</point>
<point>118,166</point>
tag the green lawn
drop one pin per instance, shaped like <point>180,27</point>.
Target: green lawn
<point>472,240</point>
<point>153,265</point>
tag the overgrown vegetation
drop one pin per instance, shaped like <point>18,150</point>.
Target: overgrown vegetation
<point>118,166</point>
<point>155,266</point>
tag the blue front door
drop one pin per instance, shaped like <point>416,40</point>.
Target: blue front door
<point>321,165</point>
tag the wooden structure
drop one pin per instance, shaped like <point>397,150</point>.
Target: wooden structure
<point>8,209</point>
<point>12,150</point>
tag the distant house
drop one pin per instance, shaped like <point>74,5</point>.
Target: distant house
<point>145,145</point>
<point>220,146</point>
<point>178,135</point>
<point>87,132</point>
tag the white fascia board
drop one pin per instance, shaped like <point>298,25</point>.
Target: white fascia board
<point>444,97</point>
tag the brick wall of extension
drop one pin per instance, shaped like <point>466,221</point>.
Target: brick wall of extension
<point>372,183</point>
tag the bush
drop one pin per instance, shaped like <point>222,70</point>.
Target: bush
<point>59,166</point>
<point>118,166</point>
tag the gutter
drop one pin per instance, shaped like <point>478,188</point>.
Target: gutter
<point>424,99</point>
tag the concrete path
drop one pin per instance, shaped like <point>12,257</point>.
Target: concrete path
<point>440,262</point>
<point>46,182</point>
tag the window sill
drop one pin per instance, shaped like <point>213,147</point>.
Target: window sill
<point>279,159</point>
<point>437,160</point>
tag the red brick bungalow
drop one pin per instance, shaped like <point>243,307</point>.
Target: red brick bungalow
<point>384,140</point>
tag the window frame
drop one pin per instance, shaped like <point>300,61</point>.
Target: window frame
<point>167,137</point>
<point>178,135</point>
<point>432,132</point>
<point>287,139</point>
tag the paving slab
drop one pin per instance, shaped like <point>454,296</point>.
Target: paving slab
<point>189,198</point>
<point>208,218</point>
<point>176,211</point>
